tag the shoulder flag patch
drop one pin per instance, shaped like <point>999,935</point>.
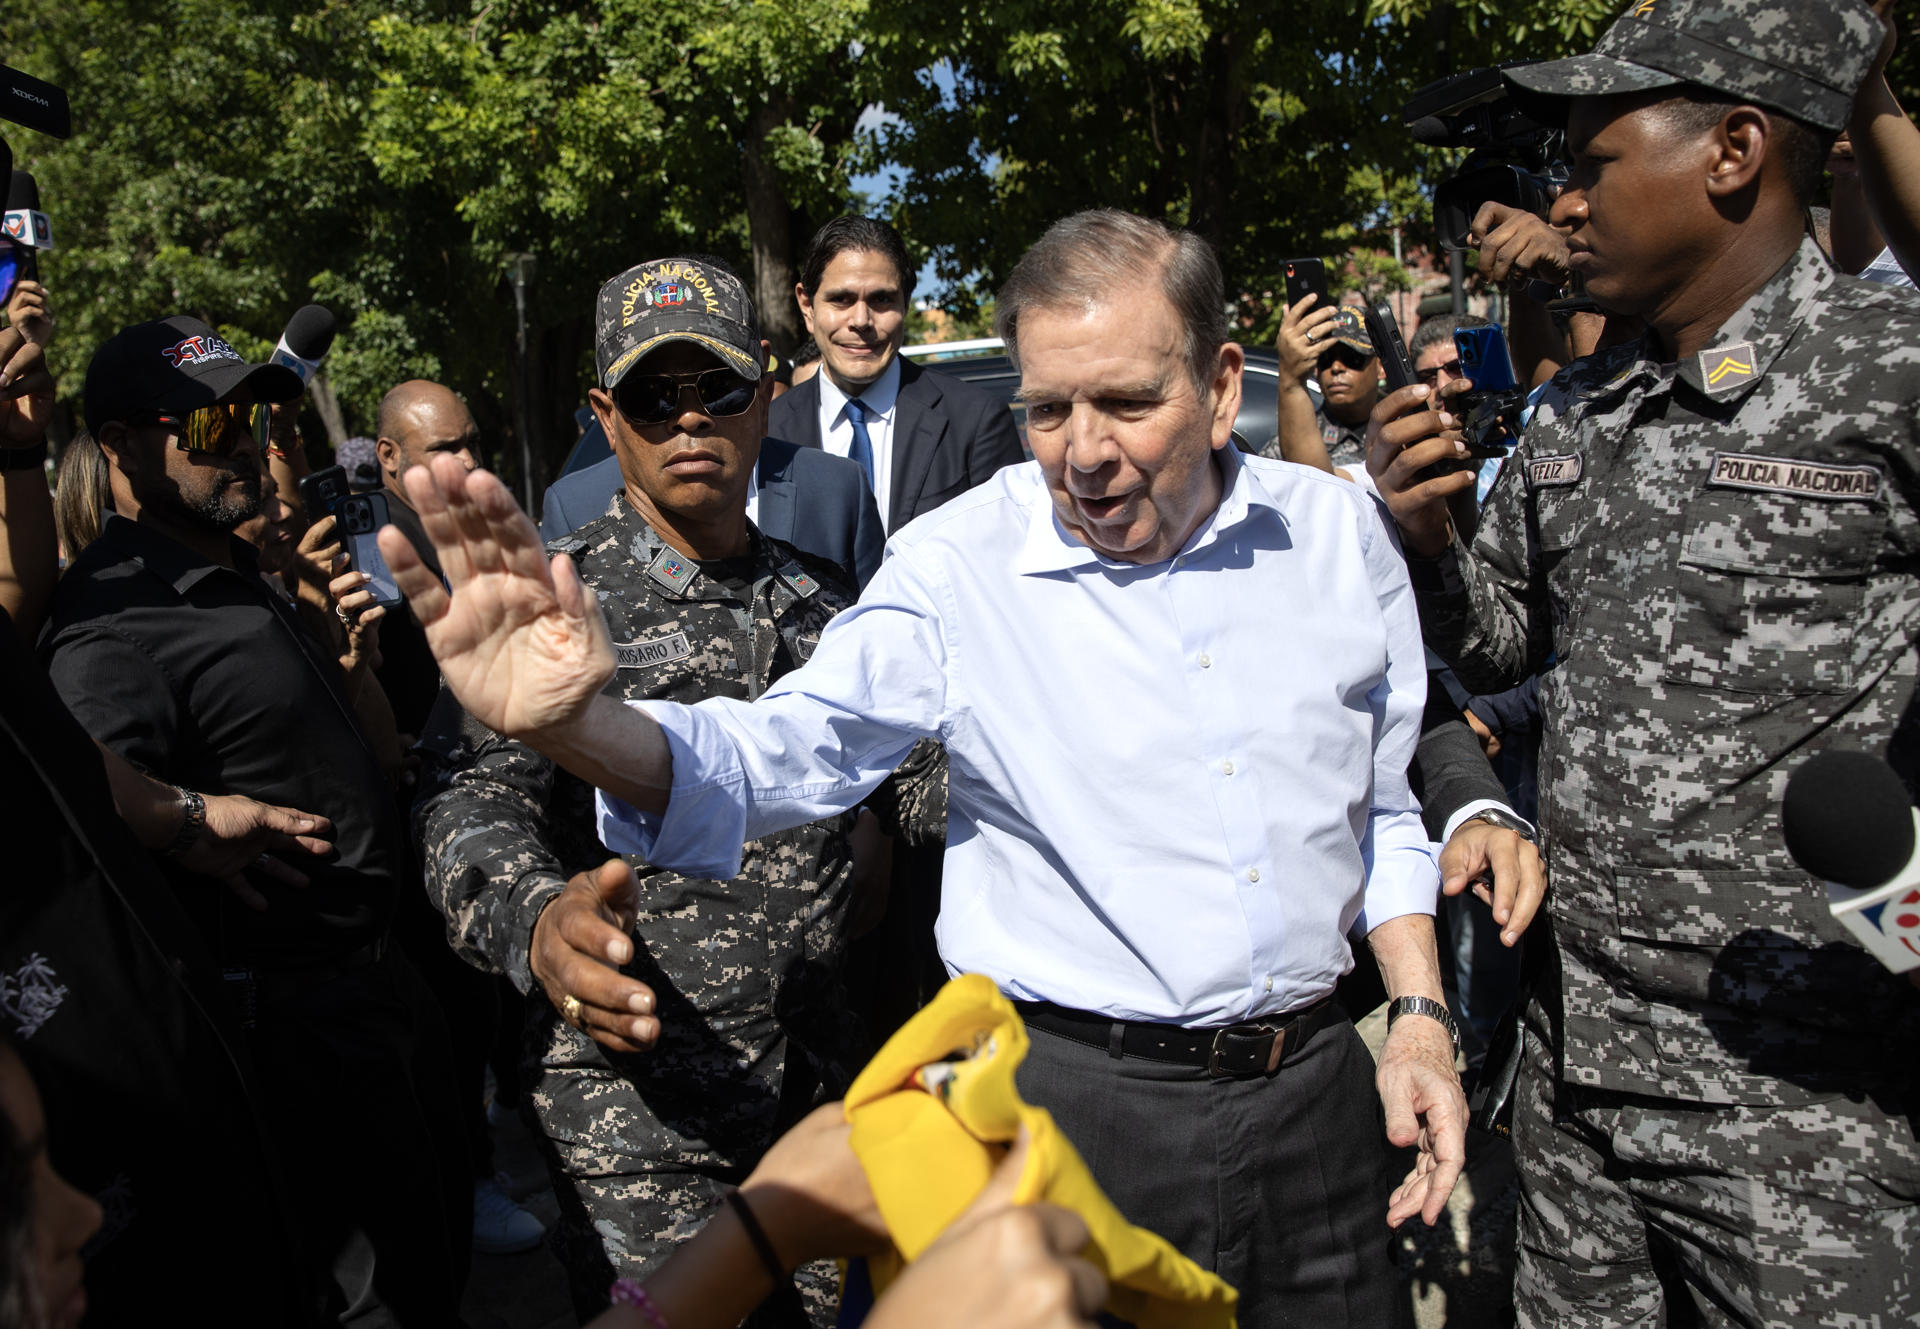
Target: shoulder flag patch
<point>1792,475</point>
<point>796,577</point>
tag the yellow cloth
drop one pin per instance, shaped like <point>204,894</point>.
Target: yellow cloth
<point>929,1132</point>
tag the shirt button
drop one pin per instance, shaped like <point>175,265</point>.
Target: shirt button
<point>1253,874</point>
<point>1269,982</point>
<point>1226,768</point>
<point>1206,661</point>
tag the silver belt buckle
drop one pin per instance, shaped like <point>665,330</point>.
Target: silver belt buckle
<point>1274,1052</point>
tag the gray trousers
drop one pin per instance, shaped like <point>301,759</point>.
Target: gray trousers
<point>1660,1214</point>
<point>1277,1183</point>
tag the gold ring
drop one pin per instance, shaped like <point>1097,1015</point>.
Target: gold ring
<point>570,1009</point>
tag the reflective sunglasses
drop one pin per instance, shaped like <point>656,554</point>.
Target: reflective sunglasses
<point>649,399</point>
<point>215,429</point>
<point>1451,369</point>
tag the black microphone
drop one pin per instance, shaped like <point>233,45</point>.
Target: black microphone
<point>25,224</point>
<point>1849,820</point>
<point>305,343</point>
<point>1431,130</point>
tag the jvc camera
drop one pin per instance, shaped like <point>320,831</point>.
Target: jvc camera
<point>1513,160</point>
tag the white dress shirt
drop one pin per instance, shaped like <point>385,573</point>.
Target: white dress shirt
<point>836,429</point>
<point>1173,788</point>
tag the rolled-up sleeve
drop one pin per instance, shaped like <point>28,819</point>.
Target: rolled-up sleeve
<point>816,744</point>
<point>1402,876</point>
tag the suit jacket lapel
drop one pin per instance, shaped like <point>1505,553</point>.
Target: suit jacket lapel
<point>918,423</point>
<point>796,416</point>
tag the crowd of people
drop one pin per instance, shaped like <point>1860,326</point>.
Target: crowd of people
<point>354,810</point>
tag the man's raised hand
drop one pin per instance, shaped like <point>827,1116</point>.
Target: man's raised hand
<point>519,638</point>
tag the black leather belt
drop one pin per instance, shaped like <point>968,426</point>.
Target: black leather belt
<point>1238,1049</point>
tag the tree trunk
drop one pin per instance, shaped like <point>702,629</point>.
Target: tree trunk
<point>1222,113</point>
<point>769,232</point>
<point>327,407</point>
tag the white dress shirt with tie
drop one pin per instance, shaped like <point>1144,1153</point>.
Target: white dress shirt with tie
<point>1174,788</point>
<point>882,399</point>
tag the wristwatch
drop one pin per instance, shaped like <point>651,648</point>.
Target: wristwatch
<point>1428,1007</point>
<point>1506,821</point>
<point>191,824</point>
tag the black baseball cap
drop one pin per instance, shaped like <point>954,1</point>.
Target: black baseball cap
<point>674,299</point>
<point>176,365</point>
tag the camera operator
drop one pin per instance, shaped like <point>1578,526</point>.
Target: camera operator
<point>170,650</point>
<point>1709,530</point>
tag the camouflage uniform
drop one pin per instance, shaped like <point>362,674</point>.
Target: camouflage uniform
<point>745,972</point>
<point>1721,562</point>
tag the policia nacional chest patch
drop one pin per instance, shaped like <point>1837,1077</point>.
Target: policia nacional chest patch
<point>1790,475</point>
<point>646,654</point>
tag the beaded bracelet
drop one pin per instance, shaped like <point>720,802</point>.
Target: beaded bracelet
<point>626,1292</point>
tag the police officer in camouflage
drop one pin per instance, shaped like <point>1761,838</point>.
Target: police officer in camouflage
<point>1712,535</point>
<point>661,1082</point>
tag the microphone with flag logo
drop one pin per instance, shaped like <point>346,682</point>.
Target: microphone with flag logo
<point>305,343</point>
<point>25,224</point>
<point>1849,821</point>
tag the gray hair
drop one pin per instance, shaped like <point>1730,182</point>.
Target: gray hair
<point>1085,258</point>
<point>1441,327</point>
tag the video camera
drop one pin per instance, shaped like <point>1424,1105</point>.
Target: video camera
<point>1514,160</point>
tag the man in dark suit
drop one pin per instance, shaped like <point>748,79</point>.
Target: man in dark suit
<point>814,502</point>
<point>920,436</point>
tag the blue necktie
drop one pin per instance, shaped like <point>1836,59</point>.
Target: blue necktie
<point>862,449</point>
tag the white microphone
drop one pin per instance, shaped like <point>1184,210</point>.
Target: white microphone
<point>1849,821</point>
<point>305,343</point>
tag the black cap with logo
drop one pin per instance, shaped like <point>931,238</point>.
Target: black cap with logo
<point>176,365</point>
<point>1804,58</point>
<point>674,299</point>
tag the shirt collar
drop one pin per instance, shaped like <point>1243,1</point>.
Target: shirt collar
<point>879,396</point>
<point>1749,342</point>
<point>168,559</point>
<point>1049,547</point>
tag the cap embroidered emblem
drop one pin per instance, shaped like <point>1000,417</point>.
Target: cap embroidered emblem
<point>197,350</point>
<point>669,295</point>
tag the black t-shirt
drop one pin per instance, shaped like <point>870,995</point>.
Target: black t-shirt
<point>200,676</point>
<point>106,990</point>
<point>408,673</point>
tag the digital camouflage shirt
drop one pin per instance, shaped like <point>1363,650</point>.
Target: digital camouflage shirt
<point>1716,565</point>
<point>738,967</point>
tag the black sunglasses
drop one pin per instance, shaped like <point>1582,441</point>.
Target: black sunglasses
<point>649,399</point>
<point>1451,368</point>
<point>1346,355</point>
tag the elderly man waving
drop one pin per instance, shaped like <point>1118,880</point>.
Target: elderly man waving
<point>1179,688</point>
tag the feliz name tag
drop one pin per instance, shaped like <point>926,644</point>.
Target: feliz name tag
<point>1803,479</point>
<point>646,654</point>
<point>1546,472</point>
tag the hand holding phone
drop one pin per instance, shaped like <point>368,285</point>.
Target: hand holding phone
<point>361,515</point>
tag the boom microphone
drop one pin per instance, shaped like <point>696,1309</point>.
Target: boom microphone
<point>1849,821</point>
<point>306,341</point>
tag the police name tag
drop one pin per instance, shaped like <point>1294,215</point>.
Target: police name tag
<point>1546,472</point>
<point>646,654</point>
<point>1789,475</point>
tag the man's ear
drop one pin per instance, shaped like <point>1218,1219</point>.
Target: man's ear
<point>805,302</point>
<point>392,459</point>
<point>1740,148</point>
<point>116,444</point>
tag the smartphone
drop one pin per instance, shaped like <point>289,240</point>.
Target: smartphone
<point>361,515</point>
<point>321,493</point>
<point>1383,330</point>
<point>1484,358</point>
<point>1307,276</point>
